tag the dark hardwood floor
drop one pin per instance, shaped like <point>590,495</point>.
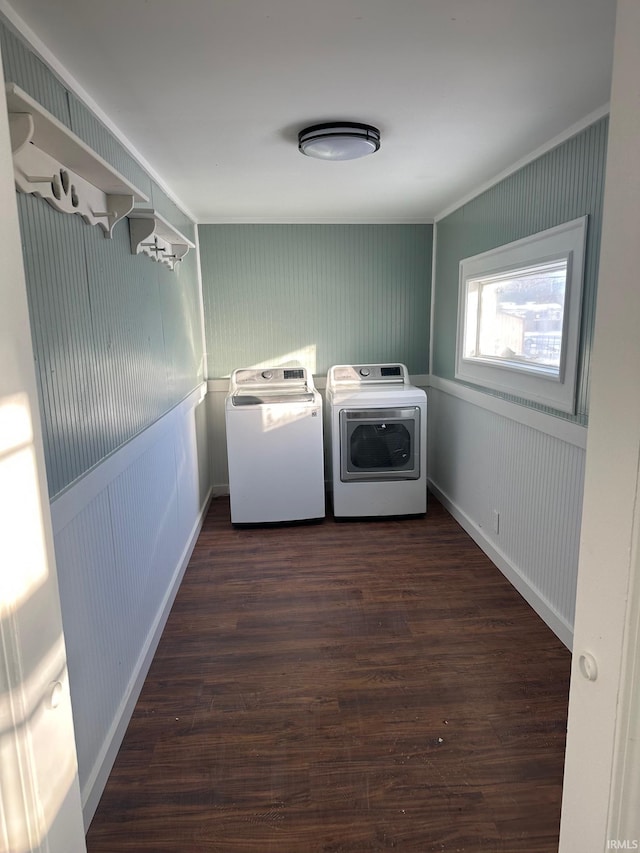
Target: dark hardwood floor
<point>343,687</point>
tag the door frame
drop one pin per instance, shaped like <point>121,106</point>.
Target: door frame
<point>40,806</point>
<point>602,763</point>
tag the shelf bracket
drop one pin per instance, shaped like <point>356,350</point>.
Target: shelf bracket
<point>51,162</point>
<point>152,235</point>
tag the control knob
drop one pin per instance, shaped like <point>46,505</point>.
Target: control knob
<point>364,371</point>
<point>267,374</point>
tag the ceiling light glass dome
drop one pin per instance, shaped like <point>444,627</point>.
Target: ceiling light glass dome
<point>339,140</point>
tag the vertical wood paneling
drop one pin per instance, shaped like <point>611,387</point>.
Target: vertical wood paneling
<point>60,314</point>
<point>91,612</point>
<point>182,330</point>
<point>562,185</point>
<point>117,338</point>
<point>328,294</point>
<point>85,125</point>
<point>127,336</point>
<point>144,516</point>
<point>32,75</point>
<point>483,462</point>
<point>189,496</point>
<point>167,208</point>
<point>119,548</point>
<point>217,438</point>
<point>117,342</point>
<point>203,461</point>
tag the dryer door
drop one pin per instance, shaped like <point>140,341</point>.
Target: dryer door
<point>380,444</point>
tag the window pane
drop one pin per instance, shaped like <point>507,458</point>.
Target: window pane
<point>517,317</point>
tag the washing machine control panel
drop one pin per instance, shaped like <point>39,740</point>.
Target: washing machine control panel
<point>283,377</point>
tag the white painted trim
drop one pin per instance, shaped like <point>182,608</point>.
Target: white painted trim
<point>532,596</point>
<point>68,504</point>
<point>301,220</point>
<point>97,779</point>
<point>205,358</point>
<point>600,794</point>
<point>573,130</point>
<point>64,75</point>
<point>40,803</point>
<point>562,242</point>
<point>432,324</point>
<point>564,430</point>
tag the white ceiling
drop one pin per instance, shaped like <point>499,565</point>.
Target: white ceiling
<point>212,93</point>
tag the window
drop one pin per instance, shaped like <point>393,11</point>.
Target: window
<point>519,316</point>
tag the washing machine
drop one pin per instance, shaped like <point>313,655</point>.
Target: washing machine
<point>274,446</point>
<point>376,428</point>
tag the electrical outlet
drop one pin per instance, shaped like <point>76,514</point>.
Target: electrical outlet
<point>496,521</point>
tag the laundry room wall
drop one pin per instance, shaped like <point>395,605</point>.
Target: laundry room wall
<point>319,294</point>
<point>513,471</point>
<point>325,294</point>
<point>119,359</point>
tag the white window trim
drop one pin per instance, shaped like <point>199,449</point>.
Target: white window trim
<point>566,240</point>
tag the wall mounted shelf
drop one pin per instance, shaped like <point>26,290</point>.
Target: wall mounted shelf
<point>51,162</point>
<point>153,236</point>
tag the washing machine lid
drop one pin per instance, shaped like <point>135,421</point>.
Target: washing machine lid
<point>251,386</point>
<point>243,398</point>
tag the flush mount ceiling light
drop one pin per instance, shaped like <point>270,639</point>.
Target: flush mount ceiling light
<point>343,140</point>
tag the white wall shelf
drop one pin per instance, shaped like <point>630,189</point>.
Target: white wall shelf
<point>153,236</point>
<point>51,162</point>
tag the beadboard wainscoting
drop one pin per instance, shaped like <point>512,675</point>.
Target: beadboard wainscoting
<point>513,478</point>
<point>216,393</point>
<point>123,537</point>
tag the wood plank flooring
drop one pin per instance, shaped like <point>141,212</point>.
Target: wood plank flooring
<point>343,687</point>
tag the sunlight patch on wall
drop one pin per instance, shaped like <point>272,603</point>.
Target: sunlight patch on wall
<point>37,768</point>
<point>303,357</point>
<point>22,546</point>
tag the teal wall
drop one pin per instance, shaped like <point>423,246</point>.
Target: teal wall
<point>332,293</point>
<point>117,337</point>
<point>564,184</point>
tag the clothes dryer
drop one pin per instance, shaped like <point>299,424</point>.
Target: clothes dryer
<point>377,432</point>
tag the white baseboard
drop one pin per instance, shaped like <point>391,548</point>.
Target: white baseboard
<point>95,784</point>
<point>543,608</point>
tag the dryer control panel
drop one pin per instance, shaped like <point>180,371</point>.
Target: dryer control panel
<point>360,374</point>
